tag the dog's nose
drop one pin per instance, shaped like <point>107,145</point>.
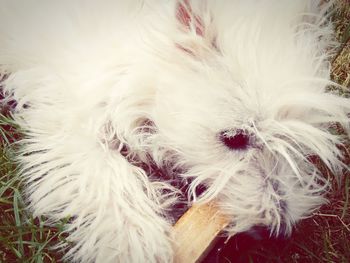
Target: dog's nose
<point>235,140</point>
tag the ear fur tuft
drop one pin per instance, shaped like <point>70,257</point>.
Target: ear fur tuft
<point>199,35</point>
<point>189,20</point>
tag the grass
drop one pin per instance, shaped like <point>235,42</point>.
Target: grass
<point>22,237</point>
<point>324,237</point>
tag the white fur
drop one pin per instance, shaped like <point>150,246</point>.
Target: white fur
<point>93,77</point>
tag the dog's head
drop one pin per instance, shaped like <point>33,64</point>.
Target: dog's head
<point>241,106</point>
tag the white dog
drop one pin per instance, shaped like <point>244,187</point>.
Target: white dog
<point>230,95</point>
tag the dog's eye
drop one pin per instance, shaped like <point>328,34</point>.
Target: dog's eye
<point>238,140</point>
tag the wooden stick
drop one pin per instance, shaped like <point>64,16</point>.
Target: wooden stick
<point>196,231</point>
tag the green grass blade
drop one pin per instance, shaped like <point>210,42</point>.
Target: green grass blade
<point>346,201</point>
<point>16,210</point>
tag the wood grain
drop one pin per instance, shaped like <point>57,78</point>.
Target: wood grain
<point>196,231</point>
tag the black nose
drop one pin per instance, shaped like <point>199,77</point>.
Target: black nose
<point>235,140</point>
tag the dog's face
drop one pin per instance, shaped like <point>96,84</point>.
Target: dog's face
<point>250,151</point>
<point>246,121</point>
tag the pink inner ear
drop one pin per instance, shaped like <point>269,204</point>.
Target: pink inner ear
<point>187,18</point>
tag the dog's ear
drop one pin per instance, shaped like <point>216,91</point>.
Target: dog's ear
<point>195,22</point>
<point>188,18</point>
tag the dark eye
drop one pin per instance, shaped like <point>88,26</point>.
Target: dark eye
<point>238,140</point>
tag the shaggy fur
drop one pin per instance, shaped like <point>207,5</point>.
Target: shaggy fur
<point>230,93</point>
